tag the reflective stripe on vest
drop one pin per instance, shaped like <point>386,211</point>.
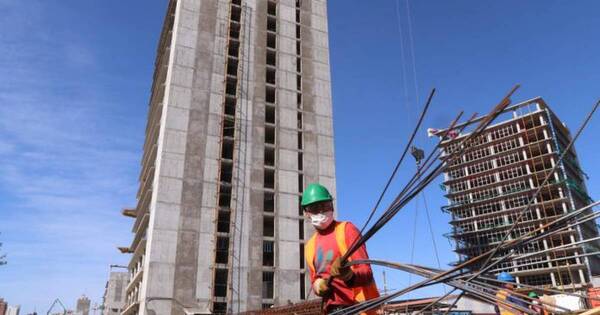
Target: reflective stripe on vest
<point>360,293</point>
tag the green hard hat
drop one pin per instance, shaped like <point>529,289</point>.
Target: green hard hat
<point>315,193</point>
<point>532,295</point>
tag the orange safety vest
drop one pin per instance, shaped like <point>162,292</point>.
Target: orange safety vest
<point>361,293</point>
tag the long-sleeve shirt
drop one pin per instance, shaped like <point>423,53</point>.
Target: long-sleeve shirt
<point>327,251</point>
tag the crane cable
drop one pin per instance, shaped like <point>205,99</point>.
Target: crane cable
<point>416,87</point>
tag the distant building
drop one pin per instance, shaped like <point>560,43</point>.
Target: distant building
<point>3,307</point>
<point>13,310</point>
<point>83,306</point>
<point>114,293</point>
<point>490,186</point>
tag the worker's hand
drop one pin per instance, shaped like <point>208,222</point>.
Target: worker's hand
<point>343,273</point>
<point>320,287</point>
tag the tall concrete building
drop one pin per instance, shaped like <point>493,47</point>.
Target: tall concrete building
<point>113,301</point>
<point>13,310</point>
<point>239,122</point>
<point>492,183</point>
<point>3,306</point>
<point>83,306</point>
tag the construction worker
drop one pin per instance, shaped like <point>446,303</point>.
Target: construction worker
<point>506,295</point>
<point>323,252</point>
<point>535,303</point>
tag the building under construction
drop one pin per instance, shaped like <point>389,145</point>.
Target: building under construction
<point>240,120</point>
<point>492,182</point>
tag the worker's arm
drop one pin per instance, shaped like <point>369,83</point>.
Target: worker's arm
<point>312,274</point>
<point>363,274</point>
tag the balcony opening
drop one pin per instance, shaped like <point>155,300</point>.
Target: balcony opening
<point>298,48</point>
<point>236,13</point>
<point>267,284</point>
<point>297,26</point>
<point>300,209</point>
<point>269,178</point>
<point>301,237</point>
<point>269,156</point>
<point>268,226</point>
<point>227,149</point>
<point>228,128</point>
<point>225,196</point>
<point>299,100</point>
<point>271,24</point>
<point>220,289</point>
<point>299,140</point>
<point>270,114</point>
<point>300,161</point>
<point>302,284</point>
<point>272,8</point>
<point>234,31</point>
<point>271,58</point>
<point>271,75</point>
<point>230,106</point>
<point>271,40</point>
<point>270,95</point>
<point>269,202</point>
<point>219,308</point>
<point>234,48</point>
<point>226,171</point>
<point>231,86</point>
<point>298,82</point>
<point>268,253</point>
<point>222,252</point>
<point>223,221</point>
<point>300,183</point>
<point>299,65</point>
<point>236,2</point>
<point>299,120</point>
<point>270,135</point>
<point>232,67</point>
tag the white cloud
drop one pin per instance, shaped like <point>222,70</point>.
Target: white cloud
<point>65,167</point>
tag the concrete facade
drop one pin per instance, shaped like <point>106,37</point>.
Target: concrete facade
<point>113,301</point>
<point>3,306</point>
<point>490,186</point>
<point>13,310</point>
<point>83,306</point>
<point>240,121</point>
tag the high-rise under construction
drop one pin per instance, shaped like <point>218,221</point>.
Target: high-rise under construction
<point>491,184</point>
<point>240,120</point>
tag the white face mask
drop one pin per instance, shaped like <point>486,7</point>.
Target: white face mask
<point>321,220</point>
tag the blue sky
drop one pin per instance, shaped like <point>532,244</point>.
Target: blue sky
<point>74,89</point>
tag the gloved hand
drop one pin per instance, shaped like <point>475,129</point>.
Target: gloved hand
<point>343,273</point>
<point>320,287</point>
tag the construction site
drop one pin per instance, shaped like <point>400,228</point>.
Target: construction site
<point>299,157</point>
<point>240,122</point>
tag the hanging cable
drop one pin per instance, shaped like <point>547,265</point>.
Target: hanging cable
<point>412,50</point>
<point>402,59</point>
